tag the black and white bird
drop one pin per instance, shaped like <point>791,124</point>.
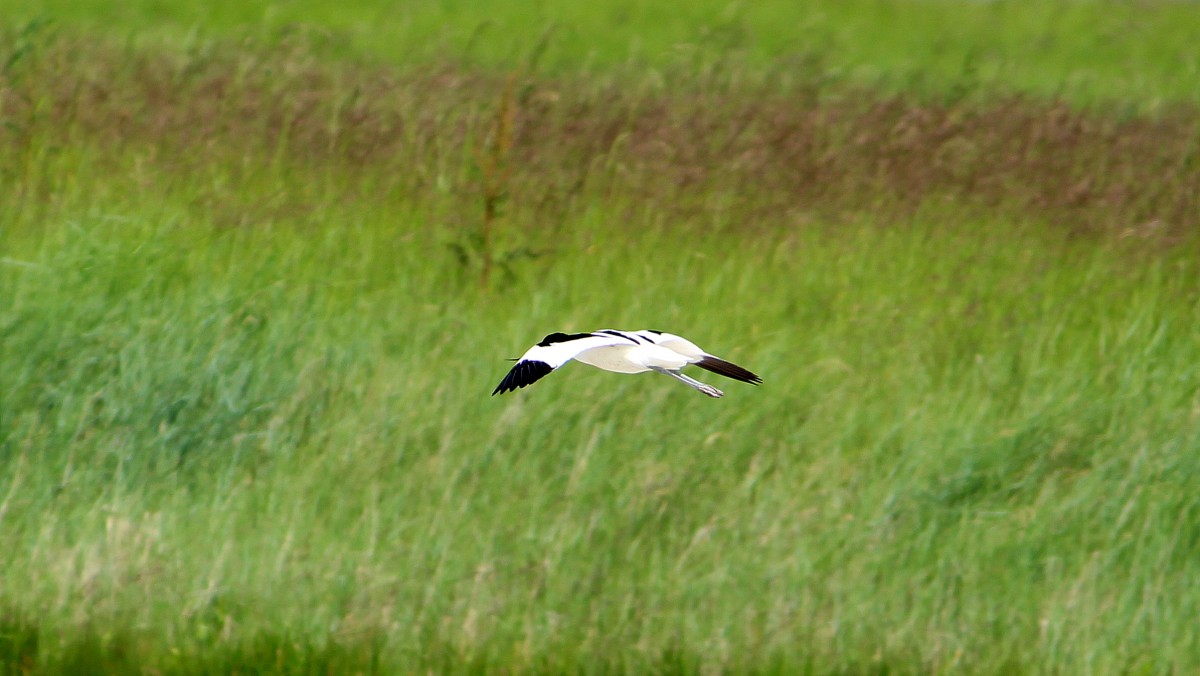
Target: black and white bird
<point>621,352</point>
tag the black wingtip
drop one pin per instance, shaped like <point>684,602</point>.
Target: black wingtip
<point>729,370</point>
<point>524,373</point>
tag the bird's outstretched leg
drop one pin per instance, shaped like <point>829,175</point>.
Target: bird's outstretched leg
<point>707,389</point>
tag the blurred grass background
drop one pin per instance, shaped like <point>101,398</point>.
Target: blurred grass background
<point>245,350</point>
<point>1133,53</point>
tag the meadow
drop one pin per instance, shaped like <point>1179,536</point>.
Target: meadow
<point>262,265</point>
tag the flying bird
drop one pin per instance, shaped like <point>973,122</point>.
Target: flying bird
<point>621,352</point>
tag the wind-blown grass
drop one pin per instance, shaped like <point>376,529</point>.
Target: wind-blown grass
<point>970,450</point>
<point>1140,55</point>
<point>244,368</point>
<point>749,157</point>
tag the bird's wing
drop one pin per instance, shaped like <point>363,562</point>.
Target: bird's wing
<point>674,343</point>
<point>727,369</point>
<point>555,350</point>
<point>699,357</point>
<point>633,337</point>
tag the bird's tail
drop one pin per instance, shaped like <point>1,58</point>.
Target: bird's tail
<point>724,368</point>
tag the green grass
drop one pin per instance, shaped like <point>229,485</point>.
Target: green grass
<point>245,363</point>
<point>1141,55</point>
<point>971,449</point>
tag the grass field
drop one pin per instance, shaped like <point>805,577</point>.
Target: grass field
<point>1137,54</point>
<point>251,311</point>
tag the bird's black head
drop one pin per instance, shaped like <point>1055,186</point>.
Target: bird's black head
<point>552,339</point>
<point>558,337</point>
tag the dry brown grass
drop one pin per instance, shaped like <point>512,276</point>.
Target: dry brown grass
<point>769,154</point>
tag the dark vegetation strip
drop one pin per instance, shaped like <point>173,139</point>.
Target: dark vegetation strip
<point>774,153</point>
<point>26,648</point>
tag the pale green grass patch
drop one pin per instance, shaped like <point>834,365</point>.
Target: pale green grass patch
<point>1140,55</point>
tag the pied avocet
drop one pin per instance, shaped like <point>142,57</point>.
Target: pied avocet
<point>621,352</point>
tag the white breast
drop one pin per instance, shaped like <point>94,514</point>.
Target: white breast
<point>631,358</point>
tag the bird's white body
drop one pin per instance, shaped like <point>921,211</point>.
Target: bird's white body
<point>632,358</point>
<point>621,352</point>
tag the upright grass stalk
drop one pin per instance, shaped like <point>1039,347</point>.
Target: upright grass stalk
<point>495,171</point>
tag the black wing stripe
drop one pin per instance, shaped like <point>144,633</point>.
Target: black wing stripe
<point>524,373</point>
<point>724,368</point>
<point>633,337</point>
